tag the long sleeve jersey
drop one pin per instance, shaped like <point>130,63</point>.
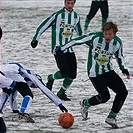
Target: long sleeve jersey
<point>100,53</point>
<point>21,73</point>
<point>63,24</point>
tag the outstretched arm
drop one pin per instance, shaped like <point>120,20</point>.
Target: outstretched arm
<point>77,41</point>
<point>39,83</point>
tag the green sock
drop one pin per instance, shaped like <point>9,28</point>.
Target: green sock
<point>61,91</point>
<point>86,102</point>
<point>112,114</point>
<point>51,77</point>
<point>66,83</point>
<point>103,21</point>
<point>57,75</point>
<point>87,21</point>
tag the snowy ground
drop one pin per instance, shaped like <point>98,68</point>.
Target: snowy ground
<point>19,22</point>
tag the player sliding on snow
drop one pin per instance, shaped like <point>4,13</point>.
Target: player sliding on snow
<point>20,77</point>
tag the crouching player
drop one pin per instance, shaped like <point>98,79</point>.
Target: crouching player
<point>20,77</point>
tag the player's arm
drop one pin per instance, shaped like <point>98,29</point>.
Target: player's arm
<point>121,62</point>
<point>42,28</point>
<point>77,41</point>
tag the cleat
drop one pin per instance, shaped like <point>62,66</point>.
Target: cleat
<point>26,117</point>
<point>49,83</point>
<point>63,97</point>
<point>84,110</point>
<point>112,122</point>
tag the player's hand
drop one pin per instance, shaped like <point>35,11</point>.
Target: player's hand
<point>34,43</point>
<point>62,108</point>
<point>57,50</point>
<point>125,72</point>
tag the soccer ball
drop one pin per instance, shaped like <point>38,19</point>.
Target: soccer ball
<point>66,120</point>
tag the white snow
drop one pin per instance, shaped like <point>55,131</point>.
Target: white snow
<point>19,20</point>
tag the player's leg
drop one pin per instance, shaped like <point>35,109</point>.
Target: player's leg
<point>25,91</point>
<point>60,60</point>
<point>2,125</point>
<point>63,70</point>
<point>13,101</point>
<point>103,96</point>
<point>118,86</point>
<point>93,10</point>
<point>104,11</point>
<point>51,78</point>
<point>4,97</point>
<point>69,75</point>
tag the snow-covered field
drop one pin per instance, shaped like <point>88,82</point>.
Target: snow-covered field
<point>19,20</point>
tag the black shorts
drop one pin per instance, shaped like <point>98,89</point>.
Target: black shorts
<point>67,64</point>
<point>21,87</point>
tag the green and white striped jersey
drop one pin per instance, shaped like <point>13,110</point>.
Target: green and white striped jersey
<point>100,53</point>
<point>63,24</point>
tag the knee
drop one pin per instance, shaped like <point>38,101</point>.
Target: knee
<point>31,95</point>
<point>72,76</point>
<point>104,99</point>
<point>69,76</point>
<point>124,93</point>
<point>90,16</point>
<point>64,76</point>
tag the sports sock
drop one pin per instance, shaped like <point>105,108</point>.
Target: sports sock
<point>13,101</point>
<point>25,104</point>
<point>66,83</point>
<point>104,21</point>
<point>112,114</point>
<point>87,21</point>
<point>56,75</point>
<point>86,102</point>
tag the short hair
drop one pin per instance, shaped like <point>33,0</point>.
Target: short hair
<point>110,25</point>
<point>0,32</point>
<point>71,0</point>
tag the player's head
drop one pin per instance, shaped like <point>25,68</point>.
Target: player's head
<point>110,25</point>
<point>0,32</point>
<point>69,4</point>
<point>70,0</point>
<point>109,30</point>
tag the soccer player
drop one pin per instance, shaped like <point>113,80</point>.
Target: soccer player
<point>63,22</point>
<point>95,6</point>
<point>2,123</point>
<point>102,46</point>
<point>20,77</point>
